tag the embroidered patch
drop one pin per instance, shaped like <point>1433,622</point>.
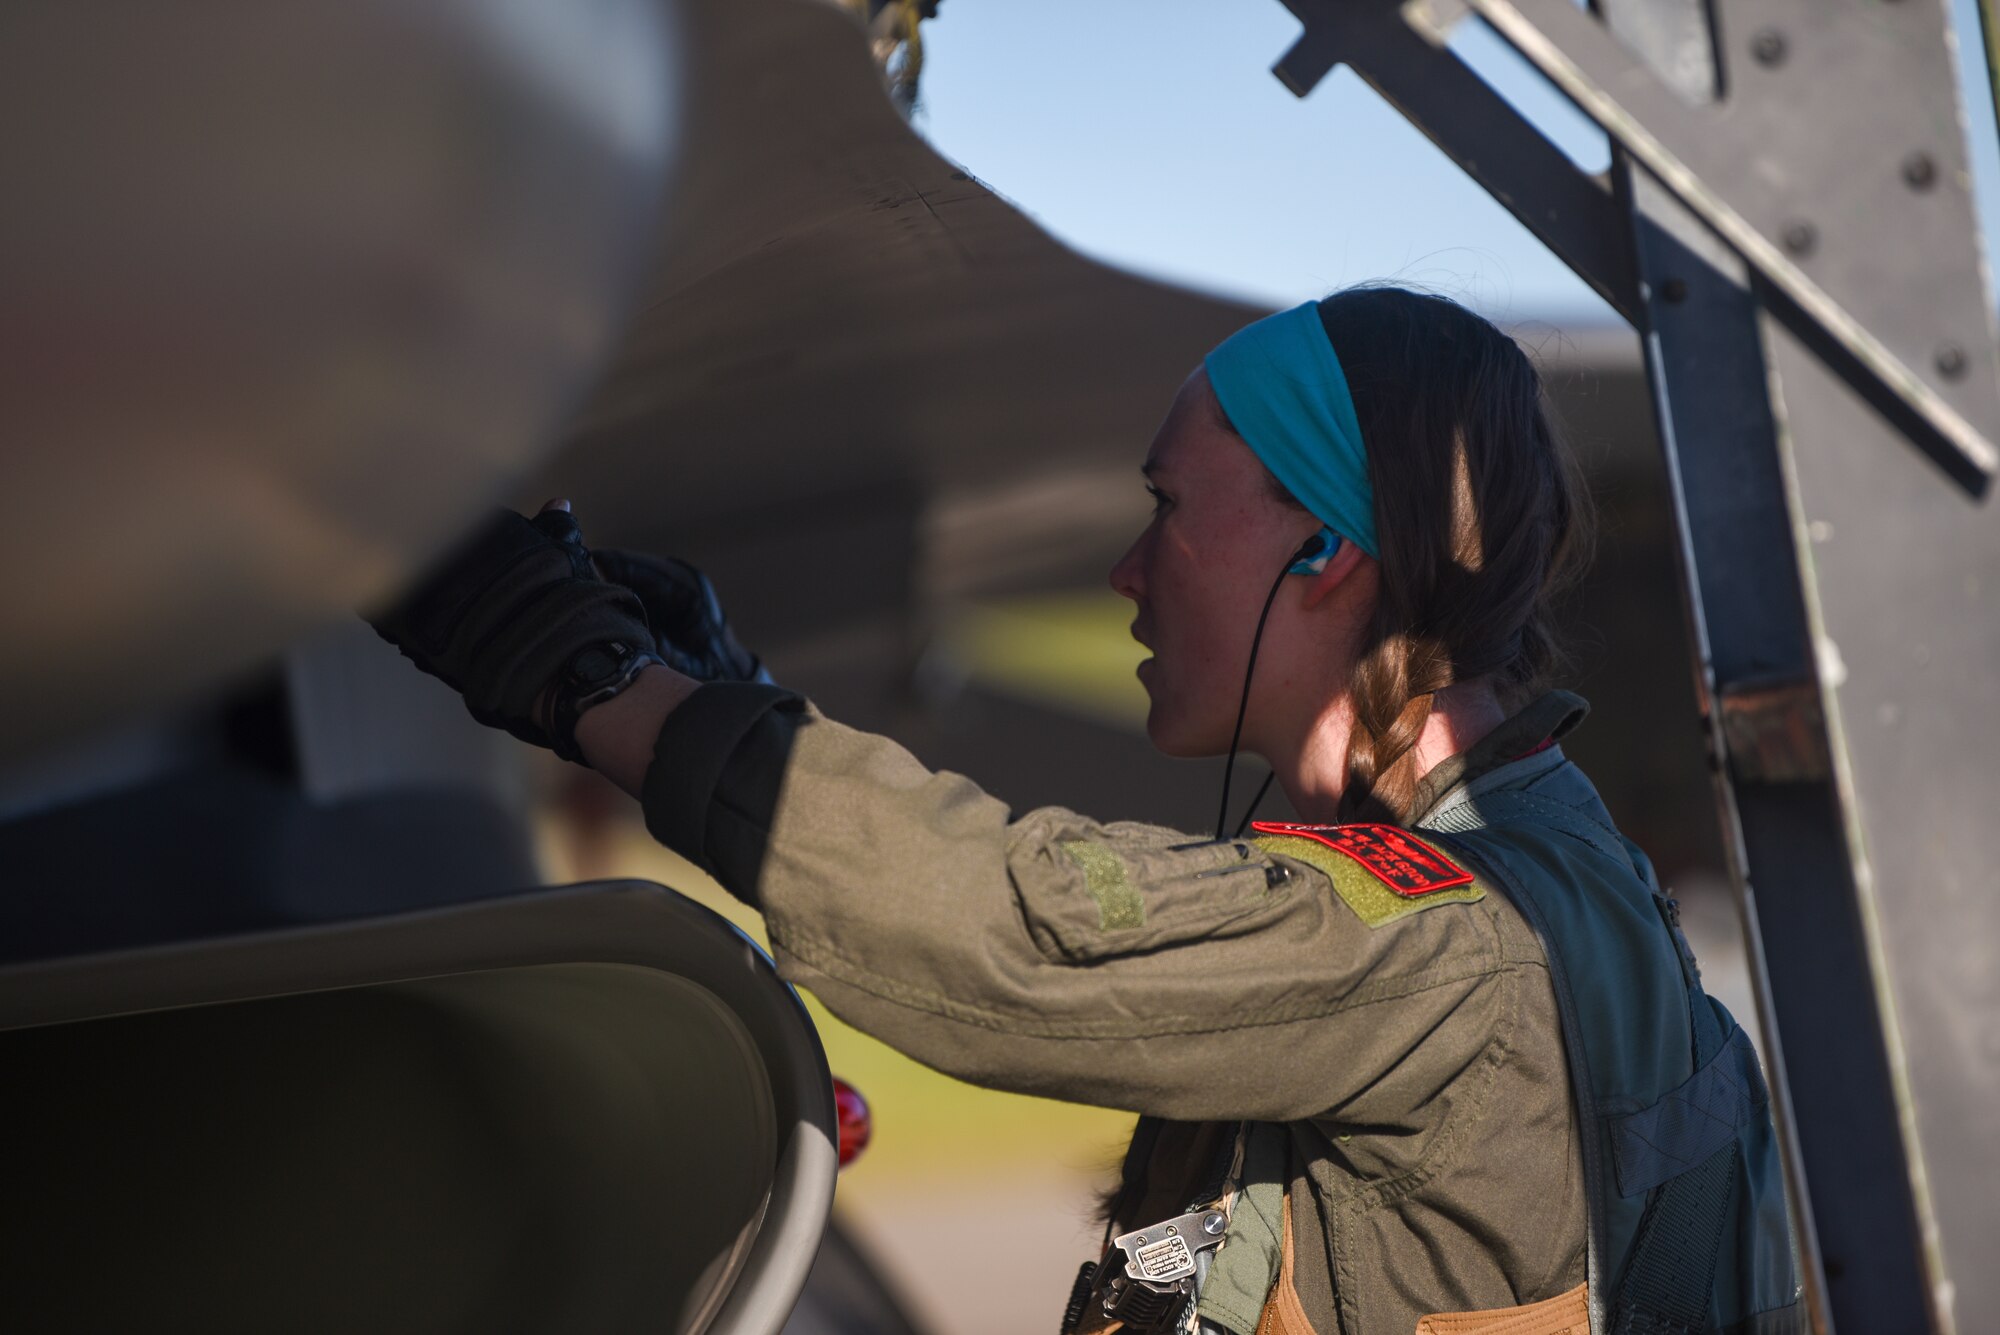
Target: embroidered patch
<point>1373,898</point>
<point>1396,858</point>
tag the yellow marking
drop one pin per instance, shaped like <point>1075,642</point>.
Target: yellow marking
<point>1373,902</point>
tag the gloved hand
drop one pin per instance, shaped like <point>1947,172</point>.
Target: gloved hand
<point>690,631</point>
<point>500,617</point>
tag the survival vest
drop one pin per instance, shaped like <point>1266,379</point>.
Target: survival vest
<point>1689,1229</point>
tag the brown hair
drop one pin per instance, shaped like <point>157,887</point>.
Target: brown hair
<point>1480,512</point>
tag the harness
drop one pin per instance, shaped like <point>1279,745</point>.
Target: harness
<point>1147,1279</point>
<point>1681,1160</point>
<point>1688,1227</point>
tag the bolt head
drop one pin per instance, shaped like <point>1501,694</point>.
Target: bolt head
<point>1919,171</point>
<point>1674,291</point>
<point>1800,238</point>
<point>1951,361</point>
<point>1213,1223</point>
<point>1768,48</point>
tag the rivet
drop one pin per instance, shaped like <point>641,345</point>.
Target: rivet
<point>1950,361</point>
<point>1768,47</point>
<point>1919,171</point>
<point>1800,238</point>
<point>1674,290</point>
<point>1213,1223</point>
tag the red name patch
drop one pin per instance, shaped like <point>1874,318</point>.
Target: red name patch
<point>1396,858</point>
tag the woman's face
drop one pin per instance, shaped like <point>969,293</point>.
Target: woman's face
<point>1200,571</point>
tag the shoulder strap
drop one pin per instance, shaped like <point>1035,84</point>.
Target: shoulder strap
<point>1672,1271</point>
<point>1464,819</point>
<point>1670,1274</point>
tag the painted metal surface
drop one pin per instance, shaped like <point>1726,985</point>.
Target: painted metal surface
<point>1811,289</point>
<point>1851,782</point>
<point>291,293</point>
<point>1572,212</point>
<point>1705,350</point>
<point>539,1068</point>
<point>1784,168</point>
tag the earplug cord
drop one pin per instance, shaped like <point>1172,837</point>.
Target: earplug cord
<point>1256,801</point>
<point>1305,552</point>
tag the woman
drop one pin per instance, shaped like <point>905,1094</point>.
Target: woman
<point>1436,1060</point>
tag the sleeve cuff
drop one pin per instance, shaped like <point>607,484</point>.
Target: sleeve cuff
<point>691,753</point>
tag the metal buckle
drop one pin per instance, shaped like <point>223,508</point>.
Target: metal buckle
<point>1162,1265</point>
<point>1163,1254</point>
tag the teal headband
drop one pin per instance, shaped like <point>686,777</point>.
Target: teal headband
<point>1284,392</point>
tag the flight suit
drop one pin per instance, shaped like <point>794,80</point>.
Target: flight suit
<point>1399,1058</point>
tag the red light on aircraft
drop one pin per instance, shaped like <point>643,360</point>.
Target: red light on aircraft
<point>856,1124</point>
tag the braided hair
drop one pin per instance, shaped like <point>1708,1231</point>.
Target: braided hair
<point>1480,512</point>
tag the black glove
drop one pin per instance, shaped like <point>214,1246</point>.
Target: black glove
<point>690,631</point>
<point>500,617</point>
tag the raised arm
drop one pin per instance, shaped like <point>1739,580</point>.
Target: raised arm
<point>1119,964</point>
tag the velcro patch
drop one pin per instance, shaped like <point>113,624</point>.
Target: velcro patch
<point>1118,902</point>
<point>1395,857</point>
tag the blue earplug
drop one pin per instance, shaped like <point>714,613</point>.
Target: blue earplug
<point>1317,551</point>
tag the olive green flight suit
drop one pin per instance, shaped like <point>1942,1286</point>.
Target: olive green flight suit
<point>1407,1050</point>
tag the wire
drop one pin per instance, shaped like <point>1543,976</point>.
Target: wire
<point>1243,706</point>
<point>1255,802</point>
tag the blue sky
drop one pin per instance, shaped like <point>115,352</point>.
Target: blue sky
<point>1152,134</point>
